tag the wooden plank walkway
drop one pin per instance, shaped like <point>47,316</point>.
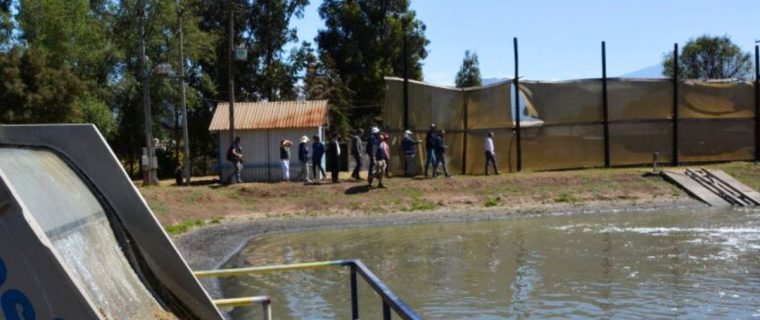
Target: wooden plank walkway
<point>693,188</point>
<point>744,189</point>
<point>713,187</point>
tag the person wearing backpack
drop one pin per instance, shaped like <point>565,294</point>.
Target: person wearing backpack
<point>235,155</point>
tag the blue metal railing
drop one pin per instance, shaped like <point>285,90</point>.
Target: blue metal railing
<point>389,300</point>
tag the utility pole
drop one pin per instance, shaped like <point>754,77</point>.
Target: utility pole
<point>151,176</point>
<point>185,134</point>
<point>231,49</point>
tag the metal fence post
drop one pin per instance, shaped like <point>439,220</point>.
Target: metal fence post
<point>675,104</point>
<point>386,311</point>
<point>606,108</point>
<point>466,131</point>
<point>267,306</point>
<point>517,108</point>
<point>354,295</point>
<point>757,104</point>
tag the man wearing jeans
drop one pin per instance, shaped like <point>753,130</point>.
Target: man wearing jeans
<point>356,151</point>
<point>429,148</point>
<point>235,155</point>
<point>490,155</point>
<point>304,157</point>
<point>372,144</point>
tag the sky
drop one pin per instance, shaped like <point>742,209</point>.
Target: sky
<point>560,40</point>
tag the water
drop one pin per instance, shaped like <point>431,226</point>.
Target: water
<point>659,264</point>
<point>76,223</point>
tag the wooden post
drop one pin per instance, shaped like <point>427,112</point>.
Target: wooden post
<point>757,104</point>
<point>675,104</point>
<point>185,135</point>
<point>605,106</point>
<point>230,75</point>
<point>517,108</point>
<point>466,131</point>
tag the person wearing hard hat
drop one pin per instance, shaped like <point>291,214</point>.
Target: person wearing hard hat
<point>304,156</point>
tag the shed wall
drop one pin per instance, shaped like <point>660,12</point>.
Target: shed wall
<point>261,152</point>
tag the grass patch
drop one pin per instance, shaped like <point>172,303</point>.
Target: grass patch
<point>194,196</point>
<point>420,204</point>
<point>566,198</point>
<point>157,207</point>
<point>185,226</point>
<point>492,202</point>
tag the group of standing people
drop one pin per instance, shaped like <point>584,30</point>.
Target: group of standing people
<point>377,150</point>
<point>311,158</point>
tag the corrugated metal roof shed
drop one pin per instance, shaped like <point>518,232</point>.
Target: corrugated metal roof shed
<point>271,115</point>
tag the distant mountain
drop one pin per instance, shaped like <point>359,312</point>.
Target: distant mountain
<point>487,81</point>
<point>654,71</point>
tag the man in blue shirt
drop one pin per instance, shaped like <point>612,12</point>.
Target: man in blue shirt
<point>318,151</point>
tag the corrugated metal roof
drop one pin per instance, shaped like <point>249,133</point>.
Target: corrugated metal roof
<point>270,115</point>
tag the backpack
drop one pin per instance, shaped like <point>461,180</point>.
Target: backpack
<point>231,154</point>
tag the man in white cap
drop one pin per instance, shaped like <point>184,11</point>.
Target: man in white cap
<point>372,144</point>
<point>304,156</point>
<point>409,147</point>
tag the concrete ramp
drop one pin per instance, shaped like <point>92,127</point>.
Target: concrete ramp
<point>77,241</point>
<point>713,187</point>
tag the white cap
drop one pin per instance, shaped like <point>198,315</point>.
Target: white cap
<point>374,130</point>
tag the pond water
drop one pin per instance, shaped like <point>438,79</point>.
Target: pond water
<point>701,263</point>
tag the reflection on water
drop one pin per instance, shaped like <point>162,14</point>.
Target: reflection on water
<point>660,264</point>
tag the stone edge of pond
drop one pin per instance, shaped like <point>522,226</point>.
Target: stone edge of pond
<point>212,246</point>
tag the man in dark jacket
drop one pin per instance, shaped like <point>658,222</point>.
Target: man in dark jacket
<point>429,149</point>
<point>318,151</point>
<point>304,156</point>
<point>372,144</point>
<point>357,148</point>
<point>235,155</point>
<point>439,147</point>
<point>333,156</point>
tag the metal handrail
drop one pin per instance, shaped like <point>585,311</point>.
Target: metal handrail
<point>264,301</point>
<point>389,299</point>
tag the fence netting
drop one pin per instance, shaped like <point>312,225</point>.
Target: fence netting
<point>562,123</point>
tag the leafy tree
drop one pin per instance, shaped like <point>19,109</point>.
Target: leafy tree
<point>322,82</point>
<point>274,76</point>
<point>60,35</point>
<point>469,72</point>
<point>708,57</point>
<point>363,42</point>
<point>33,92</point>
<point>6,23</point>
<point>161,34</point>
